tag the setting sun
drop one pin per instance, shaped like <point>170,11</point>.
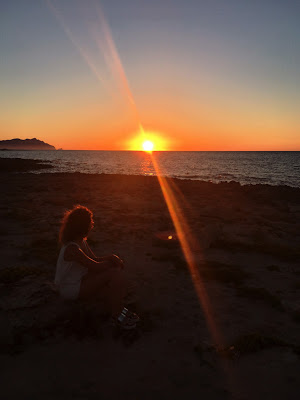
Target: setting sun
<point>148,145</point>
<point>147,141</point>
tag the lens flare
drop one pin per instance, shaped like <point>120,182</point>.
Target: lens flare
<point>189,247</point>
<point>100,34</point>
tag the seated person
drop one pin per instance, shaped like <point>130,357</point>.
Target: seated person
<point>82,275</point>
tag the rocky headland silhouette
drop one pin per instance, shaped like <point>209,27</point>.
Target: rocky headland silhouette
<point>25,144</point>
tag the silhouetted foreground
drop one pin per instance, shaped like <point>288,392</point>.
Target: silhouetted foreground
<point>248,258</point>
<point>21,165</point>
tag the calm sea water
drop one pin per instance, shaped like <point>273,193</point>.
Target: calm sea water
<point>274,168</point>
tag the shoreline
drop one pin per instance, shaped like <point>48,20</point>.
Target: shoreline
<point>31,166</point>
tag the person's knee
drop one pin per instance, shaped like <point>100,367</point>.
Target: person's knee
<point>115,263</point>
<point>117,276</point>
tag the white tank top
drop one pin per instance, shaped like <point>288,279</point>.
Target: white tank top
<point>68,275</point>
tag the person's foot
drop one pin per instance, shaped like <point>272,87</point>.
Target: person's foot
<point>130,315</point>
<point>124,322</point>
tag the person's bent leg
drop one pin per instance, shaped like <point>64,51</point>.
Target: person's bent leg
<point>116,292</point>
<point>109,286</point>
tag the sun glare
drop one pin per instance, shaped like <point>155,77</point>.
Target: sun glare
<point>148,145</point>
<point>147,141</point>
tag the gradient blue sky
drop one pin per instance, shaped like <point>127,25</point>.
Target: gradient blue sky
<point>206,75</point>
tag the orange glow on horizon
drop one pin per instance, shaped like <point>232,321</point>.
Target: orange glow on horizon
<point>147,141</point>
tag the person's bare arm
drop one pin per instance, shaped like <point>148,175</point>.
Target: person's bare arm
<point>89,251</point>
<point>115,260</point>
<point>74,253</point>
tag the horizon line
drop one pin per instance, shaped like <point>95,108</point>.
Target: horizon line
<point>153,151</point>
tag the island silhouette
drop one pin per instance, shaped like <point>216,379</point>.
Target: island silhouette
<point>25,144</point>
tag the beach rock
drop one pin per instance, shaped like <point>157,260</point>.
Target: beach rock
<point>6,332</point>
<point>294,208</point>
<point>208,235</point>
<point>30,292</point>
<point>205,352</point>
<point>238,234</point>
<point>35,312</point>
<point>21,165</point>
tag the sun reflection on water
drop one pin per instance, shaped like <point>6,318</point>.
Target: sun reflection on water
<point>147,165</point>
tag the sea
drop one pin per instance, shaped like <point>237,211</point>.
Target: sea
<point>253,167</point>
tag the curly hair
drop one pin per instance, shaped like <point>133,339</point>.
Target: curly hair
<point>76,224</point>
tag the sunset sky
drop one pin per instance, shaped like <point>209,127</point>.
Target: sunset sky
<point>198,74</point>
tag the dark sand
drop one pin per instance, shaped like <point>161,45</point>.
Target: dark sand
<point>246,243</point>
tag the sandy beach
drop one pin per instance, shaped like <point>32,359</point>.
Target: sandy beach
<point>246,246</point>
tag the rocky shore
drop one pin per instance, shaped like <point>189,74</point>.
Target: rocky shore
<point>246,244</point>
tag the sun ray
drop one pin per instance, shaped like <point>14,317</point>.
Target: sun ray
<point>188,244</point>
<point>192,253</point>
<point>106,45</point>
